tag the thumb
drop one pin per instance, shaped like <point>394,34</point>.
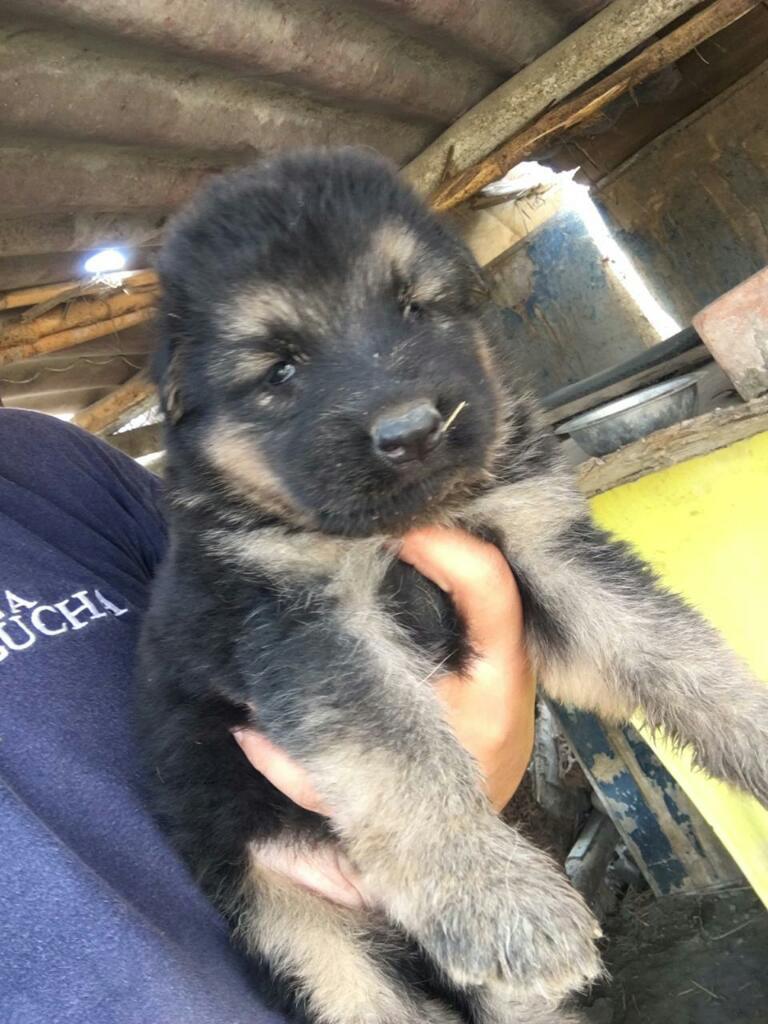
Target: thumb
<point>282,771</point>
<point>479,581</point>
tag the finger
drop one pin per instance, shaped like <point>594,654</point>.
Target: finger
<point>281,770</point>
<point>478,579</point>
<point>324,869</point>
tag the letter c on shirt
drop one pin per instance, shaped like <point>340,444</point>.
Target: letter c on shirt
<point>40,626</point>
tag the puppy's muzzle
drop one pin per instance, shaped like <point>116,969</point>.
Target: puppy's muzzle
<point>408,433</point>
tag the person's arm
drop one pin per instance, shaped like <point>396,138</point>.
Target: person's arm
<point>490,706</point>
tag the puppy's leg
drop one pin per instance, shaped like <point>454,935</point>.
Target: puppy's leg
<point>543,1015</point>
<point>492,1005</point>
<point>332,962</point>
<point>406,798</point>
<point>606,636</point>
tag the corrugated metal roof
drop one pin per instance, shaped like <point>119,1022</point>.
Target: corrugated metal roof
<point>112,113</point>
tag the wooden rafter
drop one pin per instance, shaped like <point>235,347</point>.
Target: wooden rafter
<point>653,59</point>
<point>77,314</point>
<point>610,35</point>
<point>76,336</point>
<point>74,289</point>
<point>678,443</point>
<point>122,403</point>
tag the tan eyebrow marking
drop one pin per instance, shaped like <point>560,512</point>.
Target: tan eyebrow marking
<point>245,366</point>
<point>395,249</point>
<point>394,245</point>
<point>240,365</point>
<point>260,309</point>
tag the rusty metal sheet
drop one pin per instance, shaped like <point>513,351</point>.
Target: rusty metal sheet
<point>108,110</point>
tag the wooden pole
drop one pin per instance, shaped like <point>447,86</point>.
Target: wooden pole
<point>678,443</point>
<point>68,339</point>
<point>71,289</point>
<point>117,405</point>
<point>140,441</point>
<point>77,314</point>
<point>618,29</point>
<point>656,57</point>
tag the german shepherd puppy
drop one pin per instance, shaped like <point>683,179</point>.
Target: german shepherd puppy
<point>333,373</point>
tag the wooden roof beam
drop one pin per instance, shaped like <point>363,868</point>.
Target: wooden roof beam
<point>654,58</point>
<point>621,27</point>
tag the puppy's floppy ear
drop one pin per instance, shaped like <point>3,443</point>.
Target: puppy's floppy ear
<point>479,289</point>
<point>169,386</point>
<point>166,368</point>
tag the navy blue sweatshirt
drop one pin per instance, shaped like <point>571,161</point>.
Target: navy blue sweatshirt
<point>99,920</point>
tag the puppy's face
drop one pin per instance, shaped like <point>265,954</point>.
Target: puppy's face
<point>330,357</point>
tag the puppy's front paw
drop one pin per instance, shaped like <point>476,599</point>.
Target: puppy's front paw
<point>513,918</point>
<point>732,745</point>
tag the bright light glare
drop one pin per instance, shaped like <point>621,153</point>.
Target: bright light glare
<point>580,200</point>
<point>106,261</point>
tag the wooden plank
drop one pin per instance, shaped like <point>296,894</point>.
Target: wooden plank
<point>73,289</point>
<point>674,444</point>
<point>76,336</point>
<point>607,37</point>
<point>78,313</point>
<point>141,441</point>
<point>653,59</point>
<point>624,127</point>
<point>117,406</point>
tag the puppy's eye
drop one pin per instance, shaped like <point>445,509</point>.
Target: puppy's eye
<point>413,310</point>
<point>281,372</point>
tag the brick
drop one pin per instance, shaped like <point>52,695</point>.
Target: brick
<point>735,330</point>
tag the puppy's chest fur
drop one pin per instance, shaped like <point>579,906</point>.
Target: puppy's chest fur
<point>368,594</point>
<point>273,602</point>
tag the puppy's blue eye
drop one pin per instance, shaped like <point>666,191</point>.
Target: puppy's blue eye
<point>281,372</point>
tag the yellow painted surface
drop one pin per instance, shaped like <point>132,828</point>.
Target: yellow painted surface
<point>703,525</point>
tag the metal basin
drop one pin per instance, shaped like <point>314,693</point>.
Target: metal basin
<point>615,424</point>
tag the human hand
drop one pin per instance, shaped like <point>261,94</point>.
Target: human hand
<point>490,706</point>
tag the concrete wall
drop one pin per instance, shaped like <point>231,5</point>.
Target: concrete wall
<point>692,207</point>
<point>568,317</point>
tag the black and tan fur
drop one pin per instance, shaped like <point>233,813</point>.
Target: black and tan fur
<point>303,301</point>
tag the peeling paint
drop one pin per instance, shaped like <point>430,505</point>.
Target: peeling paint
<point>672,845</point>
<point>605,768</point>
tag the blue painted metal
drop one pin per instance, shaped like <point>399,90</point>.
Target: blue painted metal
<point>566,313</point>
<point>671,843</point>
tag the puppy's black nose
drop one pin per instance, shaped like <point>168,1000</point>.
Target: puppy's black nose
<point>408,433</point>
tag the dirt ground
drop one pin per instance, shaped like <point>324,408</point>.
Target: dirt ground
<point>671,960</point>
<point>685,960</point>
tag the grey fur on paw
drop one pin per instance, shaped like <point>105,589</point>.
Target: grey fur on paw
<point>517,922</point>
